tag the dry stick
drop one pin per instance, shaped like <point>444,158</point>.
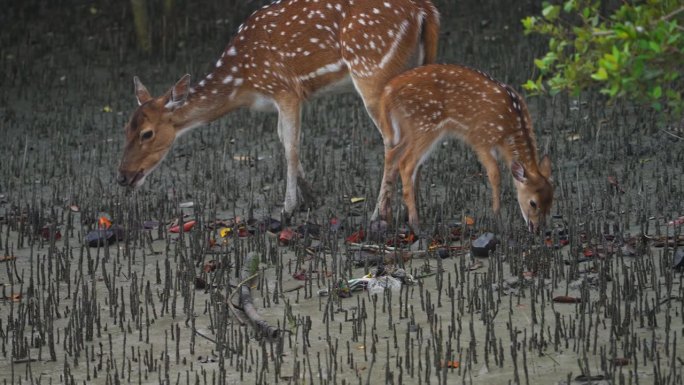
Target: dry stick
<point>247,304</point>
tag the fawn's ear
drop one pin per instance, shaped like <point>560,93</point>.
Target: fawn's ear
<point>518,171</point>
<point>178,93</point>
<point>545,166</point>
<point>141,92</point>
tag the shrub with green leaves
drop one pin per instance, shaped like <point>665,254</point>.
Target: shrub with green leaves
<point>635,51</point>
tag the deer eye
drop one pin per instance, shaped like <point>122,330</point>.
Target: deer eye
<point>533,204</point>
<point>146,135</point>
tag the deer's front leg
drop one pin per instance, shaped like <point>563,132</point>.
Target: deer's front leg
<point>493,174</point>
<point>383,209</point>
<point>289,126</point>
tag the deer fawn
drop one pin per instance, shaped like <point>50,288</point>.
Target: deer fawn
<point>284,53</point>
<point>424,105</point>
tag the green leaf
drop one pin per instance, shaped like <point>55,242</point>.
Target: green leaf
<point>656,92</point>
<point>569,6</point>
<point>551,12</point>
<point>530,85</point>
<point>654,46</point>
<point>528,23</point>
<point>600,75</point>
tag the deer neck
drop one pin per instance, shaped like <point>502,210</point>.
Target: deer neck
<point>219,93</point>
<point>521,146</point>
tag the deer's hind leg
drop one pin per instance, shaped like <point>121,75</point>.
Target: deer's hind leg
<point>411,159</point>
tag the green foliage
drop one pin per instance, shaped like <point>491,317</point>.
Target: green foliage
<point>635,52</point>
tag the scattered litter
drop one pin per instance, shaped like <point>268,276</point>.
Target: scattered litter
<point>46,233</point>
<point>271,226</point>
<point>14,297</point>
<point>300,276</point>
<point>484,244</point>
<point>450,364</point>
<point>566,299</point>
<point>342,290</point>
<point>186,205</point>
<point>104,222</point>
<point>676,222</point>
<point>404,237</point>
<point>225,232</point>
<point>378,285</point>
<point>210,266</point>
<point>678,257</point>
<point>287,236</point>
<point>200,283</point>
<point>335,224</point>
<point>187,226</point>
<point>357,199</point>
<point>149,225</point>
<point>309,229</point>
<point>104,237</point>
<point>356,237</point>
<point>475,266</point>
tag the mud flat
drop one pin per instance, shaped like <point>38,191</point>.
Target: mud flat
<point>599,301</point>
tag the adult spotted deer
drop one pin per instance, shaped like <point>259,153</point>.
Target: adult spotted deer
<point>424,105</point>
<point>283,54</point>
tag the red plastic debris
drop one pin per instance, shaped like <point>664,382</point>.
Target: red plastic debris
<point>287,235</point>
<point>187,226</point>
<point>356,237</point>
<point>45,233</point>
<point>677,222</point>
<point>300,276</point>
<point>210,266</point>
<point>567,299</point>
<point>335,224</point>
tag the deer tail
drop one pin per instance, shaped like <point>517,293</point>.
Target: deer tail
<point>430,33</point>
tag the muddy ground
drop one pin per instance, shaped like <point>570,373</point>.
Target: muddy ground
<point>131,312</point>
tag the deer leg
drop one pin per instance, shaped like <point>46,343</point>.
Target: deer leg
<point>289,125</point>
<point>489,162</point>
<point>407,169</point>
<point>370,90</point>
<point>383,209</point>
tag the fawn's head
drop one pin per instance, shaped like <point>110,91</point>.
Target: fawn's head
<point>150,133</point>
<point>535,192</point>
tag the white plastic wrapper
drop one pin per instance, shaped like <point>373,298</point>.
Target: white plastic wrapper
<point>378,285</point>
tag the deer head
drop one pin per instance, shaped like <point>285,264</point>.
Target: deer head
<point>151,131</point>
<point>535,192</point>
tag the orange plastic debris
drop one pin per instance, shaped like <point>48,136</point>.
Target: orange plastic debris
<point>450,364</point>
<point>104,223</point>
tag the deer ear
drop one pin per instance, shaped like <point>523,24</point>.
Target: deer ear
<point>179,92</point>
<point>141,92</point>
<point>518,171</point>
<point>545,166</point>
